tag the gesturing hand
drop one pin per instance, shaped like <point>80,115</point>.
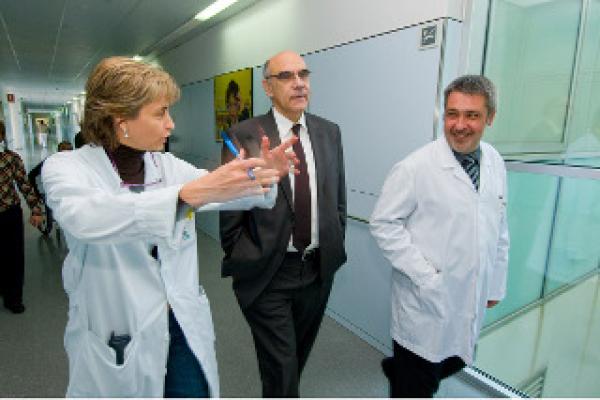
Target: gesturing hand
<point>230,181</point>
<point>280,158</point>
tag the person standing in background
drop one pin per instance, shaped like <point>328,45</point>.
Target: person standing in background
<point>12,246</point>
<point>441,222</point>
<point>283,260</point>
<point>42,133</point>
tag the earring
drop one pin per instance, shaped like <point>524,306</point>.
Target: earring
<point>125,133</point>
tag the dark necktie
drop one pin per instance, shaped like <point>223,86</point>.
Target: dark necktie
<point>301,227</point>
<point>471,167</point>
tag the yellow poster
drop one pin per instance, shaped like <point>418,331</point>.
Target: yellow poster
<point>233,99</point>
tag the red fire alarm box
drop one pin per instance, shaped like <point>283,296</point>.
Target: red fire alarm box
<point>10,97</point>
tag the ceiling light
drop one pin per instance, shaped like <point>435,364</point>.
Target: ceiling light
<point>213,9</point>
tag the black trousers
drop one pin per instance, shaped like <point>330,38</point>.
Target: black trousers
<point>12,251</point>
<point>284,321</point>
<point>414,376</point>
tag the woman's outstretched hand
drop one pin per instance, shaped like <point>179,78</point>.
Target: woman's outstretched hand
<point>280,158</point>
<point>238,178</point>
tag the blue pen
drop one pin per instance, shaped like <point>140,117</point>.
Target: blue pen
<point>235,151</point>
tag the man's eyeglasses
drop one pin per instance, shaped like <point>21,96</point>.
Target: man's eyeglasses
<point>290,75</point>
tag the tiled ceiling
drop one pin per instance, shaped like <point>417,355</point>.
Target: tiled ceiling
<point>48,47</point>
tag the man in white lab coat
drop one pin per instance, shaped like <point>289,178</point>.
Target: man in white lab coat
<point>441,222</point>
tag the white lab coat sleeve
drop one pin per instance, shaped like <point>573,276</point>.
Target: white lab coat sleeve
<point>243,202</point>
<point>94,215</point>
<point>266,200</point>
<point>388,225</point>
<point>497,289</point>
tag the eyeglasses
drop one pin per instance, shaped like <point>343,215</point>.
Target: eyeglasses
<point>303,74</point>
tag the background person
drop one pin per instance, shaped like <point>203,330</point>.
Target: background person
<point>441,222</point>
<point>282,260</point>
<point>36,171</point>
<point>12,247</point>
<point>34,175</point>
<point>42,133</point>
<point>139,324</point>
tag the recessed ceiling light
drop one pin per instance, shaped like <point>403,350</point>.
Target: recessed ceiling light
<point>213,9</point>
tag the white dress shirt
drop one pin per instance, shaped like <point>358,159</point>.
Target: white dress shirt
<point>284,126</point>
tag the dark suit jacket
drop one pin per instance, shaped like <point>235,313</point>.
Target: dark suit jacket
<point>256,241</point>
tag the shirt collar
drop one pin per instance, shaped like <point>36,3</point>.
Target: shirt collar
<point>476,154</point>
<point>284,124</point>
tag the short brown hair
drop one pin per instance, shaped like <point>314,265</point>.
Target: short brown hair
<point>120,87</point>
<point>474,84</point>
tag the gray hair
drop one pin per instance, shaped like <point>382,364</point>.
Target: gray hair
<point>474,84</point>
<point>266,71</point>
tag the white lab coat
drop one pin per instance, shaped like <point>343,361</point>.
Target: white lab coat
<point>113,282</point>
<point>448,246</point>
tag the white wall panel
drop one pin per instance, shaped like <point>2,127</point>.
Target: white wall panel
<point>269,26</point>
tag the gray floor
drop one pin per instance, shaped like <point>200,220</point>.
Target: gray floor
<point>34,362</point>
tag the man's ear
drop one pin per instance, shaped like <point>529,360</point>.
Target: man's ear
<point>267,88</point>
<point>490,118</point>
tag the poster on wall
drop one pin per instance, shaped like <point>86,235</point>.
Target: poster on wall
<point>233,99</point>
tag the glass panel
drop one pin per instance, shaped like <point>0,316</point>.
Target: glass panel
<point>552,350</point>
<point>531,200</point>
<point>584,128</point>
<point>574,250</point>
<point>530,57</point>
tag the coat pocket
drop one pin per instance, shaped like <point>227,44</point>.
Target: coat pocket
<point>430,296</point>
<point>96,373</point>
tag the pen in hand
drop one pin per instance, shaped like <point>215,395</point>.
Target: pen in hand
<point>235,152</point>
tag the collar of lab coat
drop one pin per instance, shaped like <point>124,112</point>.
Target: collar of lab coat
<point>98,160</point>
<point>448,160</point>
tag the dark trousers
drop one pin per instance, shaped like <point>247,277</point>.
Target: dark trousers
<point>185,377</point>
<point>284,321</point>
<point>414,376</point>
<point>12,251</point>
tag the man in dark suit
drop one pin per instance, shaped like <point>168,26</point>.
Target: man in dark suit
<point>282,260</point>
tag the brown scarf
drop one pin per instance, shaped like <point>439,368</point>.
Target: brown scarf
<point>129,163</point>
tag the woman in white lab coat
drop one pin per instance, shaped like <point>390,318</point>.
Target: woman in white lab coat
<point>139,323</point>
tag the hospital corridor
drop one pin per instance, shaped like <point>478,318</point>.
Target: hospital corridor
<point>355,222</point>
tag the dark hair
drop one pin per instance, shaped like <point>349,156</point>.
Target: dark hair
<point>474,84</point>
<point>232,88</point>
<point>64,145</point>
